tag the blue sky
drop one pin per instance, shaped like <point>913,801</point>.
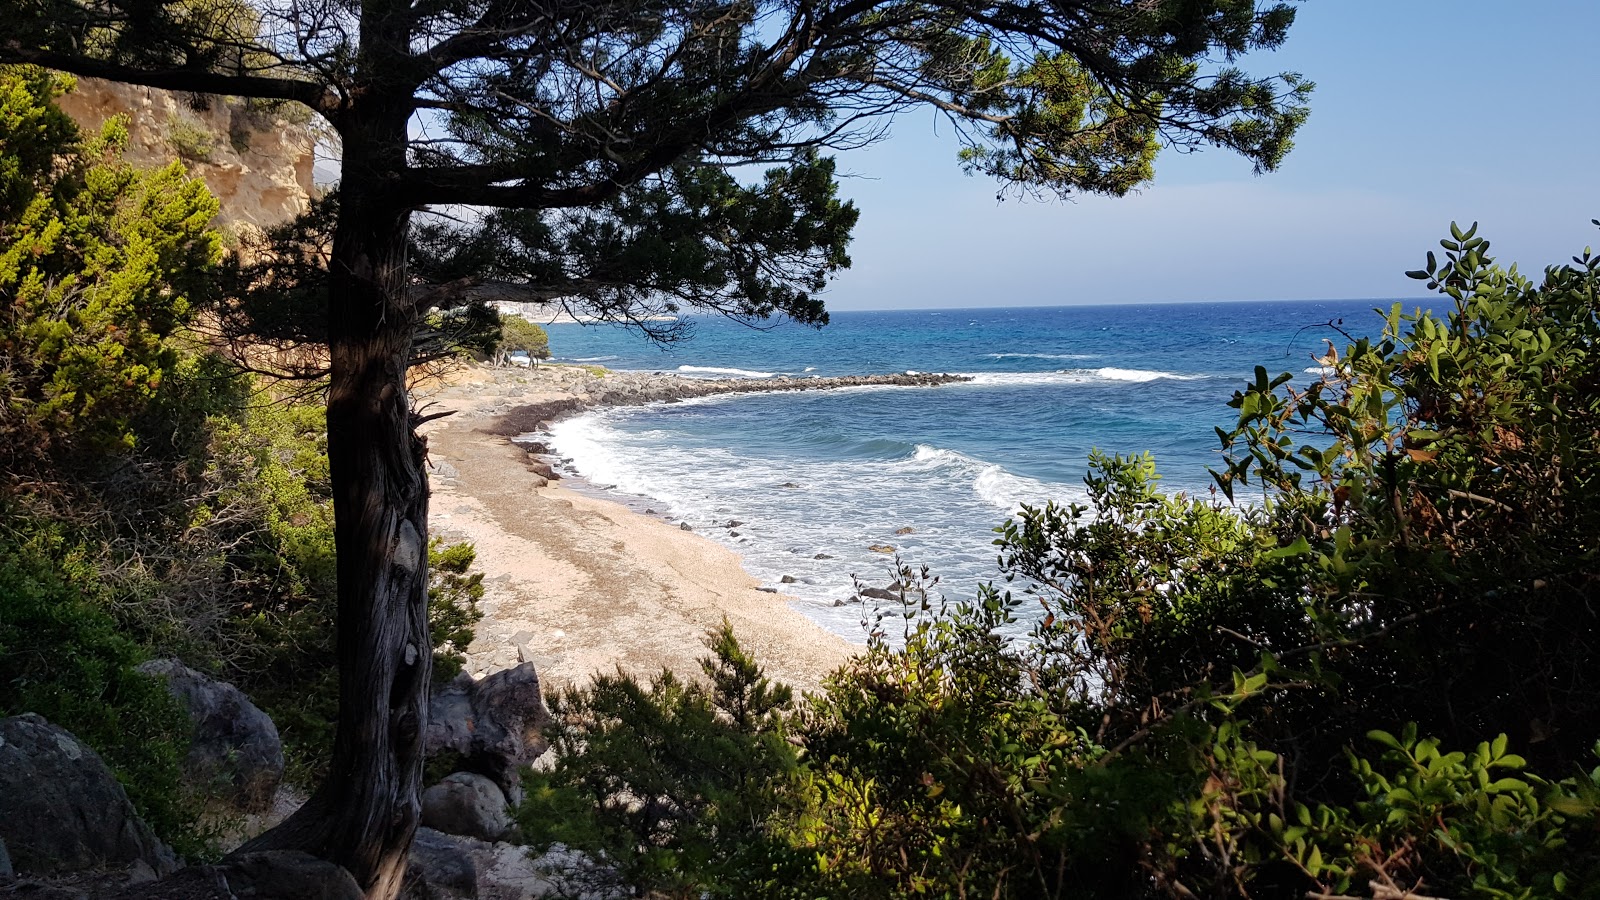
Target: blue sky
<point>1426,111</point>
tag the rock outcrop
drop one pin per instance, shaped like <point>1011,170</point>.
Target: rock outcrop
<point>62,810</point>
<point>494,725</point>
<point>257,162</point>
<point>234,750</point>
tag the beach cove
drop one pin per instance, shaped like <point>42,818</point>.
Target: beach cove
<point>579,584</point>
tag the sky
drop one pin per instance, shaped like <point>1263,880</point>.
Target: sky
<point>1425,112</point>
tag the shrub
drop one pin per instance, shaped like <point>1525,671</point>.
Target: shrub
<point>62,656</point>
<point>666,785</point>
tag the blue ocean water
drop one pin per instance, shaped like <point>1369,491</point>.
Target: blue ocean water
<point>831,473</point>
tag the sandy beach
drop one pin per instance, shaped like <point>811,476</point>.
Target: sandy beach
<point>577,583</point>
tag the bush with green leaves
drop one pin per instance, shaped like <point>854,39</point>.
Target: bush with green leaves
<point>64,657</point>
<point>99,263</point>
<point>667,786</point>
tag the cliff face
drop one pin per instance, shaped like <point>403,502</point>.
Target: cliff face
<point>257,162</point>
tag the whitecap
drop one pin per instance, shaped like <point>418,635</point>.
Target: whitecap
<point>1140,375</point>
<point>991,482</point>
<point>717,370</point>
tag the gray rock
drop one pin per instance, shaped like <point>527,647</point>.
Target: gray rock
<point>442,469</point>
<point>879,594</point>
<point>767,590</point>
<point>234,750</point>
<point>788,579</point>
<point>263,875</point>
<point>61,809</point>
<point>440,868</point>
<point>496,725</point>
<point>469,804</point>
<point>685,526</point>
<point>822,556</point>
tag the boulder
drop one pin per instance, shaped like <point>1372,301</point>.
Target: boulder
<point>440,868</point>
<point>879,594</point>
<point>469,804</point>
<point>263,875</point>
<point>234,750</point>
<point>496,725</point>
<point>61,809</point>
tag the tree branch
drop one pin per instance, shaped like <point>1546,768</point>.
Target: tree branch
<point>318,97</point>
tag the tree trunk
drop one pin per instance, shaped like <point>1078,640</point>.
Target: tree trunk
<point>364,815</point>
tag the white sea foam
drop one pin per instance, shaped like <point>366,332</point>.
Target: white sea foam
<point>1076,376</point>
<point>717,370</point>
<point>1113,373</point>
<point>992,483</point>
<point>810,368</point>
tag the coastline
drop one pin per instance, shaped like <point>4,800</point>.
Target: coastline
<point>578,583</point>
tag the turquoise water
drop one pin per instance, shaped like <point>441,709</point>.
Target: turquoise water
<point>833,472</point>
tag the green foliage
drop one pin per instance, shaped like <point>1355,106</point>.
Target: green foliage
<point>453,594</point>
<point>99,263</point>
<point>64,657</point>
<point>666,785</point>
<point>1477,822</point>
<point>518,335</point>
<point>192,141</point>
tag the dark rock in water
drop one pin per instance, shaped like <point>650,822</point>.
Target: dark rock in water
<point>234,750</point>
<point>733,523</point>
<point>788,579</point>
<point>263,875</point>
<point>879,594</point>
<point>822,556</point>
<point>469,804</point>
<point>789,484</point>
<point>649,512</point>
<point>882,548</point>
<point>496,724</point>
<point>767,590</point>
<point>684,526</point>
<point>906,530</point>
<point>733,534</point>
<point>61,809</point>
<point>440,868</point>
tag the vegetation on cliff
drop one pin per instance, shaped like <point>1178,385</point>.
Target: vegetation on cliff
<point>156,501</point>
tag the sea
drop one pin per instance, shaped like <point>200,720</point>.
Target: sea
<point>806,484</point>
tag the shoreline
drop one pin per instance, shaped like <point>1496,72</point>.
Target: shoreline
<point>579,583</point>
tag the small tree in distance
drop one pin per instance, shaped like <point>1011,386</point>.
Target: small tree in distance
<point>518,335</point>
<point>603,138</point>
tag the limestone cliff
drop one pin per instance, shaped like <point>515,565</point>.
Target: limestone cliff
<point>256,161</point>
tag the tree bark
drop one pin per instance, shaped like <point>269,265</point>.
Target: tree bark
<point>364,815</point>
